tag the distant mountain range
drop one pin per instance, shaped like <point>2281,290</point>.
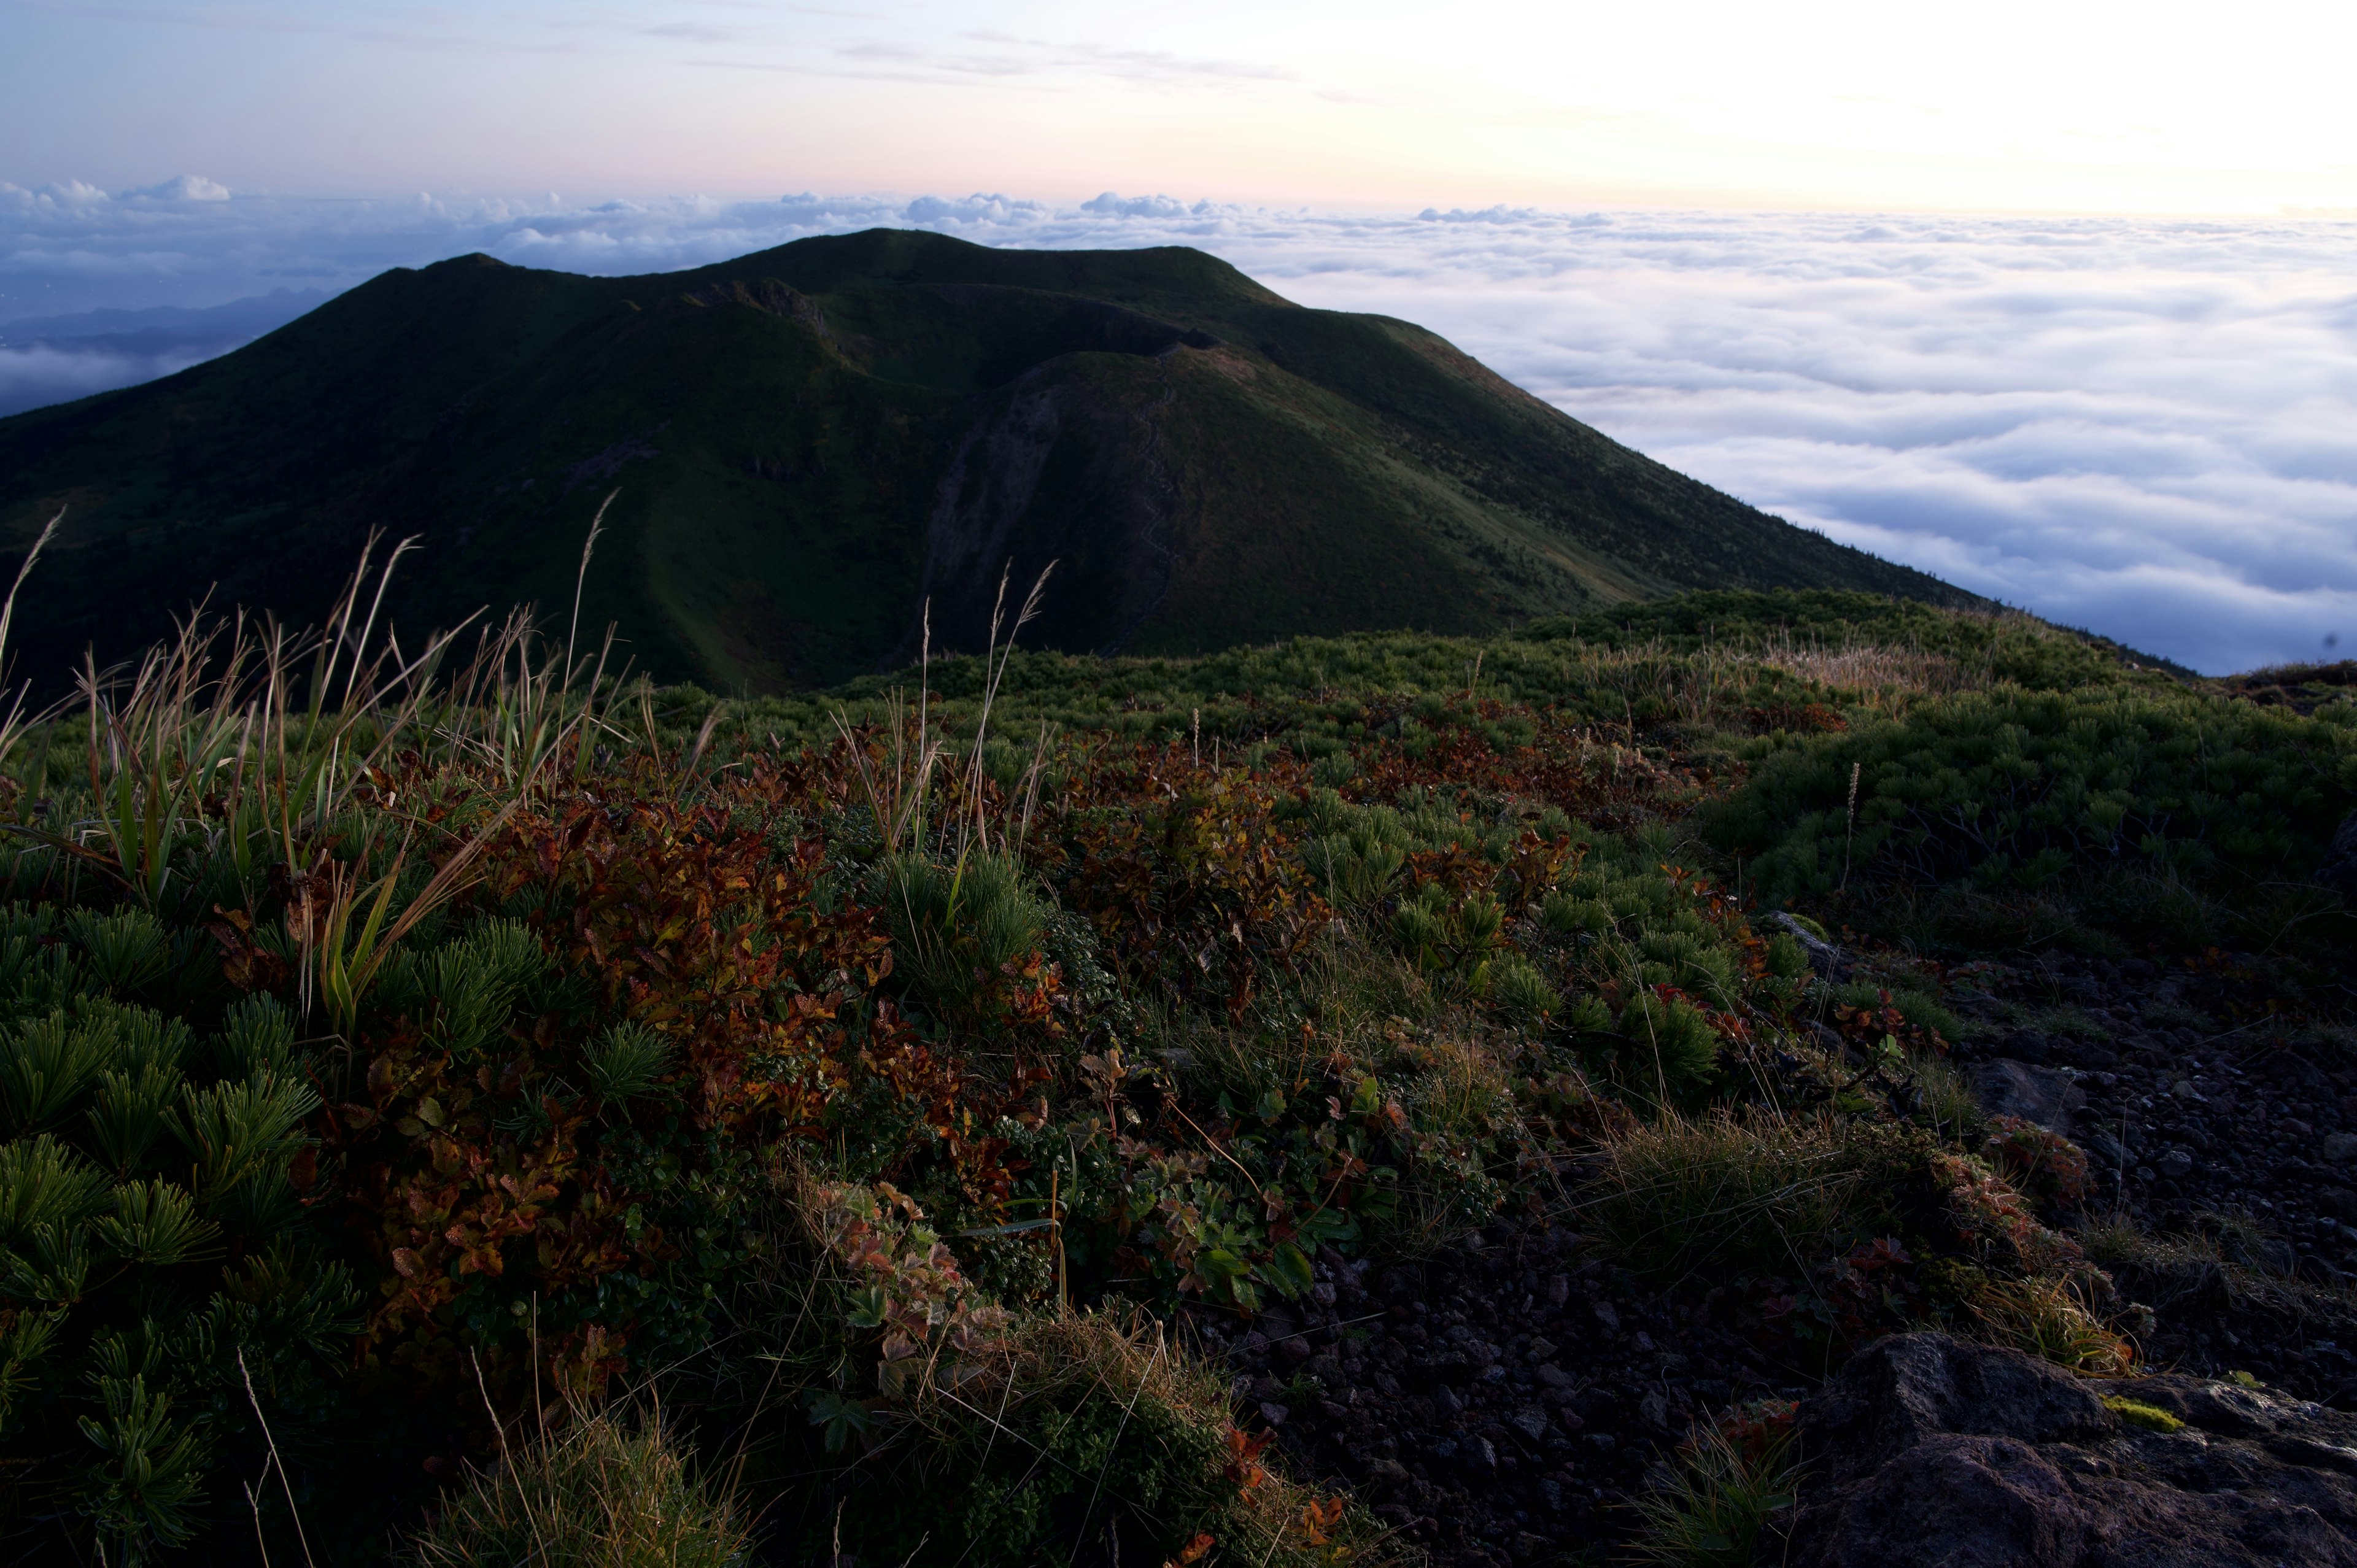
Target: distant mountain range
<point>809,443</point>
<point>119,348</point>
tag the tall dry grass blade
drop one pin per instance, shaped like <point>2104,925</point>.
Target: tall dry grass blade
<point>8,608</point>
<point>300,1534</point>
<point>994,659</point>
<point>703,737</point>
<point>581,577</point>
<point>368,628</point>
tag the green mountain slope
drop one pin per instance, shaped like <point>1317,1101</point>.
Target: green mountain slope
<point>811,442</point>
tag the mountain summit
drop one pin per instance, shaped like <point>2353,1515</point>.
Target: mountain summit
<point>810,443</point>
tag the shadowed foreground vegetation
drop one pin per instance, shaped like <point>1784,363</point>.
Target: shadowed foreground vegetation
<point>465,1108</point>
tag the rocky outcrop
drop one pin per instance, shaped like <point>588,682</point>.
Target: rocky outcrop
<point>1933,1452</point>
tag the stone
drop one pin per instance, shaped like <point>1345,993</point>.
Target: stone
<point>2045,1095</point>
<point>1932,1450</point>
<point>1273,1412</point>
<point>1607,1316</point>
<point>2175,1164</point>
<point>1387,1473</point>
<point>2338,868</point>
<point>1555,1377</point>
<point>1823,957</point>
<point>2338,1148</point>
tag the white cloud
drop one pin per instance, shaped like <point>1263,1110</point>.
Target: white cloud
<point>34,376</point>
<point>2136,425</point>
<point>185,187</point>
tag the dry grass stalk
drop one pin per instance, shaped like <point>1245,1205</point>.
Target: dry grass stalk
<point>598,1493</point>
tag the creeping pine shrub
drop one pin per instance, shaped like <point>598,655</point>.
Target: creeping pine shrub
<point>2013,789</point>
<point>957,928</point>
<point>1659,1049</point>
<point>152,1231</point>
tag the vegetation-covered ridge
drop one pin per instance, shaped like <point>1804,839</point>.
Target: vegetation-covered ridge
<point>463,1108</point>
<point>813,441</point>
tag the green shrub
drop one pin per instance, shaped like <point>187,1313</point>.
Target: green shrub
<point>1571,916</point>
<point>150,1233</point>
<point>2013,789</point>
<point>957,927</point>
<point>1515,984</point>
<point>1667,1049</point>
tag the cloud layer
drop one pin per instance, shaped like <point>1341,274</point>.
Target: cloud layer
<point>2138,426</point>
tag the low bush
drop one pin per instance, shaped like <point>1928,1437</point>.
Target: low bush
<point>2007,793</point>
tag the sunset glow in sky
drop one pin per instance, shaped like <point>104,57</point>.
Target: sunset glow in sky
<point>2006,105</point>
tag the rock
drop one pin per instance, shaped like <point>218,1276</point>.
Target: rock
<point>1606,1315</point>
<point>1531,1421</point>
<point>1555,1377</point>
<point>2006,1087</point>
<point>2338,870</point>
<point>1273,1412</point>
<point>1387,1473</point>
<point>2338,1148</point>
<point>2175,1164</point>
<point>1932,1450</point>
<point>1823,957</point>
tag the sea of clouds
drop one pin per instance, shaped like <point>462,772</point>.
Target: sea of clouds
<point>2143,426</point>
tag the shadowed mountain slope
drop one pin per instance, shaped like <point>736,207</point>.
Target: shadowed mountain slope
<point>810,442</point>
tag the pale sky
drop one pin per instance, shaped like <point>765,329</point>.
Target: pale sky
<point>2003,105</point>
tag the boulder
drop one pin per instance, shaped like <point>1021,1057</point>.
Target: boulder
<point>2338,870</point>
<point>2041,1094</point>
<point>1937,1453</point>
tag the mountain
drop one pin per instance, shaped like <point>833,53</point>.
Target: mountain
<point>809,443</point>
<point>242,319</point>
<point>49,358</point>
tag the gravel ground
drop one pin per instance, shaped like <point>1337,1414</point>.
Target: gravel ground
<point>2215,1119</point>
<point>1496,1403</point>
